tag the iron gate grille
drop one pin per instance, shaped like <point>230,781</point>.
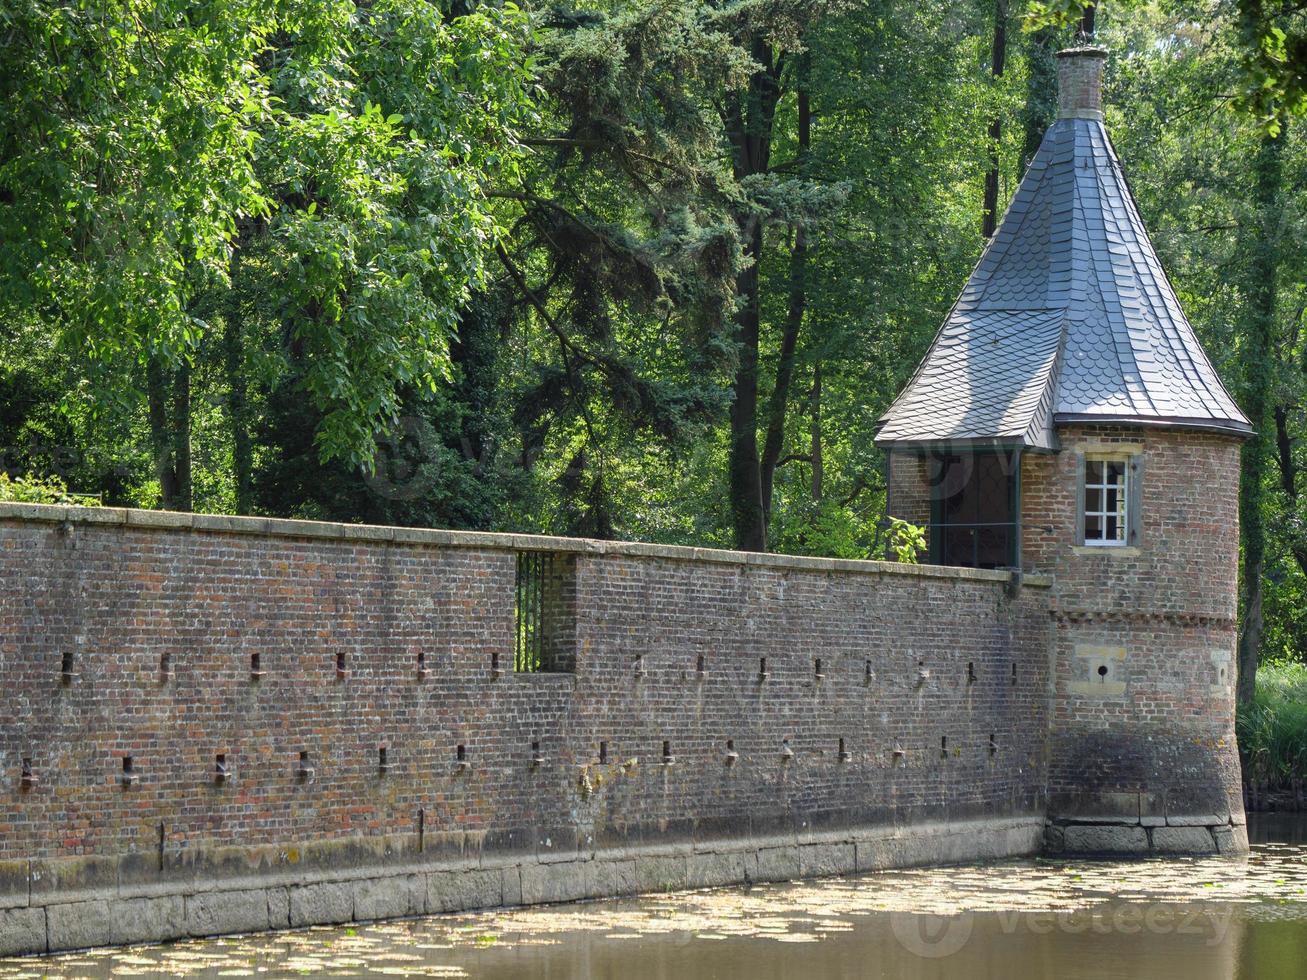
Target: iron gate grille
<point>532,566</point>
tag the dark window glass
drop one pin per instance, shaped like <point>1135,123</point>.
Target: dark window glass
<point>973,513</point>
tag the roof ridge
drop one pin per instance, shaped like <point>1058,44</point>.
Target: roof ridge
<point>1131,373</point>
<point>1041,423</point>
<point>1181,323</point>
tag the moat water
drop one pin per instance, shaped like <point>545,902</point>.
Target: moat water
<point>1154,920</point>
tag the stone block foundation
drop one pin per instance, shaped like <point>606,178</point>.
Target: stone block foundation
<point>134,913</point>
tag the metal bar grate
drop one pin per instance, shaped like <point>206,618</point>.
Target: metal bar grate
<point>529,652</point>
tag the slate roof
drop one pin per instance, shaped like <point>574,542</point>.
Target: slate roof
<point>1067,317</point>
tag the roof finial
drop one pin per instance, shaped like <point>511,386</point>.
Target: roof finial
<point>1080,83</point>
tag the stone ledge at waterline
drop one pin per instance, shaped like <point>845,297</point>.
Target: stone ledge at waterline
<point>108,902</point>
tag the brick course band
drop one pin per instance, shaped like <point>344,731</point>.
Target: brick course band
<point>1138,616</point>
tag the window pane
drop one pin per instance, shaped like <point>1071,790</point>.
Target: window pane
<point>993,489</point>
<point>972,494</point>
<point>957,502</point>
<point>1106,500</point>
<point>955,508</point>
<point>959,546</point>
<point>993,548</point>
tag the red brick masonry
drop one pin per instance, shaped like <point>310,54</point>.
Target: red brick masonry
<point>132,634</point>
<point>1141,747</point>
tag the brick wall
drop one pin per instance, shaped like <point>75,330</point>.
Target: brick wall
<point>1143,676</point>
<point>1187,559</point>
<point>935,681</point>
<point>1080,82</point>
<point>729,717</point>
<point>1143,668</point>
<point>909,494</point>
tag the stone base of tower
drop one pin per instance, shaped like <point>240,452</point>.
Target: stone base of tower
<point>1139,840</point>
<point>1189,804</point>
<point>1142,751</point>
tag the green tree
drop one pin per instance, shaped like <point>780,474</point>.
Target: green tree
<point>1270,37</point>
<point>325,160</point>
<point>617,284</point>
<point>1261,250</point>
<point>1230,237</point>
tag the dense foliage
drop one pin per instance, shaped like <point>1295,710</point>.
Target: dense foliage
<point>1273,735</point>
<point>41,490</point>
<point>630,268</point>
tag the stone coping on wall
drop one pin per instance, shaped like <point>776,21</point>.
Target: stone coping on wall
<point>431,537</point>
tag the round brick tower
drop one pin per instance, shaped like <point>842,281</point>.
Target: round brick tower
<point>1066,420</point>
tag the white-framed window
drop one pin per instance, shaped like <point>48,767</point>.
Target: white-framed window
<point>1107,516</point>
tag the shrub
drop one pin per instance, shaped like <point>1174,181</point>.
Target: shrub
<point>41,490</point>
<point>1273,728</point>
<point>904,541</point>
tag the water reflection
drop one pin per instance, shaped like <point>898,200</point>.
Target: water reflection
<point>1278,828</point>
<point>1161,920</point>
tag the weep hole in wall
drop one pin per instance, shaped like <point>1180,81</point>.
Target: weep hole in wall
<point>546,613</point>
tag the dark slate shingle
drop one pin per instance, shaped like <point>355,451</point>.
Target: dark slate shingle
<point>1067,316</point>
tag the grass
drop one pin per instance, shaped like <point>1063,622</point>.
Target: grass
<point>1273,731</point>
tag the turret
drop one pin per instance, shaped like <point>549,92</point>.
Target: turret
<point>1066,420</point>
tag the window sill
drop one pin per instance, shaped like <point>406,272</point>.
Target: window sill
<point>1111,550</point>
<point>565,677</point>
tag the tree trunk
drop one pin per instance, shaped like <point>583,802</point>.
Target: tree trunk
<point>162,445</point>
<point>745,470</point>
<point>815,436</point>
<point>1284,450</point>
<point>238,400</point>
<point>181,436</point>
<point>1256,356</point>
<point>168,396</point>
<point>998,56</point>
<point>1288,478</point>
<point>774,443</point>
<point>233,350</point>
<point>749,127</point>
<point>1085,33</point>
<point>1041,91</point>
